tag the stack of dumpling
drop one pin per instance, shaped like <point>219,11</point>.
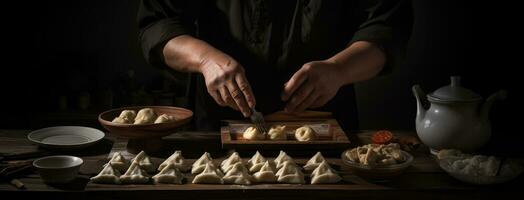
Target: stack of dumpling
<point>144,116</point>
<point>170,170</point>
<point>288,170</point>
<point>137,173</point>
<point>322,172</point>
<point>206,171</point>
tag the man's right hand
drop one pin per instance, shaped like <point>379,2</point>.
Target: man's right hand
<point>226,82</point>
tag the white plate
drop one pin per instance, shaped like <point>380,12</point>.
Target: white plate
<point>66,137</point>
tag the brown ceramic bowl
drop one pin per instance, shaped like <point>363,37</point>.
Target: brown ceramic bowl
<point>378,173</point>
<point>145,131</point>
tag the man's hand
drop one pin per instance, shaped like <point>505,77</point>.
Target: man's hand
<point>312,86</point>
<point>226,82</point>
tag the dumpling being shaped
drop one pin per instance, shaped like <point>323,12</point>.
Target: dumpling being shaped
<point>238,174</point>
<point>255,163</point>
<point>126,117</point>
<point>209,175</point>
<point>305,133</point>
<point>277,133</point>
<point>177,159</point>
<point>290,173</point>
<point>199,165</point>
<point>281,158</point>
<point>314,162</point>
<point>164,118</point>
<point>230,161</point>
<point>169,174</point>
<point>253,133</point>
<point>145,116</point>
<point>144,161</point>
<point>324,174</point>
<point>108,175</point>
<point>266,174</point>
<point>119,162</point>
<point>135,174</point>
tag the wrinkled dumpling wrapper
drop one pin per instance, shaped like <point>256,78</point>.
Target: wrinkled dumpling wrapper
<point>178,160</point>
<point>108,175</point>
<point>170,174</point>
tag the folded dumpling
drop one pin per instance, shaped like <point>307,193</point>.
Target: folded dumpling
<point>255,163</point>
<point>281,158</point>
<point>305,133</point>
<point>119,162</point>
<point>324,174</point>
<point>230,161</point>
<point>108,175</point>
<point>253,133</point>
<point>290,173</point>
<point>169,174</point>
<point>314,162</point>
<point>237,175</point>
<point>145,116</point>
<point>176,159</point>
<point>144,161</point>
<point>126,117</point>
<point>135,174</point>
<point>164,118</point>
<point>277,133</point>
<point>266,174</point>
<point>209,175</point>
<point>200,164</point>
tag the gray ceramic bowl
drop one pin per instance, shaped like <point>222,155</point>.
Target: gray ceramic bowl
<point>58,169</point>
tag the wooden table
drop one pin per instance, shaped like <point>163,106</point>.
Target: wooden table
<point>423,180</point>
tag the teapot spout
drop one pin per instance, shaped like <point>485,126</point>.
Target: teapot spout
<point>486,107</point>
<point>422,102</point>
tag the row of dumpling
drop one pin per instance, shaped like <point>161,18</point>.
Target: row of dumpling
<point>304,133</point>
<point>144,116</point>
<point>138,169</point>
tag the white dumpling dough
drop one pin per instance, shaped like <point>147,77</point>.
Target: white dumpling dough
<point>253,133</point>
<point>108,175</point>
<point>290,173</point>
<point>199,165</point>
<point>281,158</point>
<point>119,162</point>
<point>126,117</point>
<point>228,163</point>
<point>209,175</point>
<point>266,174</point>
<point>238,174</point>
<point>255,163</point>
<point>145,116</point>
<point>314,162</point>
<point>144,161</point>
<point>170,174</point>
<point>176,159</point>
<point>277,133</point>
<point>305,133</point>
<point>324,174</point>
<point>135,174</point>
<point>164,118</point>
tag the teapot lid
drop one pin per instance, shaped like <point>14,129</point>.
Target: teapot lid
<point>454,92</point>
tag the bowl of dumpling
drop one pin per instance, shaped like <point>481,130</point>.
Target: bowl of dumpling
<point>144,122</point>
<point>377,162</point>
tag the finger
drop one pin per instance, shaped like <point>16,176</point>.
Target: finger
<point>228,100</point>
<point>293,84</point>
<point>321,101</point>
<point>239,98</point>
<point>299,96</point>
<point>307,102</point>
<point>217,97</point>
<point>244,86</point>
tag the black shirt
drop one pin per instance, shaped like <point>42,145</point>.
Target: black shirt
<point>271,39</point>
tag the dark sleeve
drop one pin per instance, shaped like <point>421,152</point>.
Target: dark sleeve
<point>161,20</point>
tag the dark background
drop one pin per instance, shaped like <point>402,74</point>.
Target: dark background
<point>63,62</point>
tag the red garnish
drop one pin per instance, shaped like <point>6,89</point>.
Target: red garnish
<point>382,137</point>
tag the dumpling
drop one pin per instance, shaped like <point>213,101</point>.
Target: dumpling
<point>145,116</point>
<point>314,162</point>
<point>237,175</point>
<point>200,164</point>
<point>108,175</point>
<point>144,161</point>
<point>209,175</point>
<point>164,118</point>
<point>230,161</point>
<point>290,173</point>
<point>255,163</point>
<point>281,158</point>
<point>324,174</point>
<point>253,133</point>
<point>305,133</point>
<point>126,117</point>
<point>266,174</point>
<point>178,160</point>
<point>169,174</point>
<point>135,174</point>
<point>277,133</point>
<point>119,162</point>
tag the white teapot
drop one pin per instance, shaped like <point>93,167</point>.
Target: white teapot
<point>454,117</point>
